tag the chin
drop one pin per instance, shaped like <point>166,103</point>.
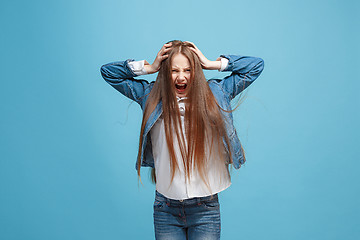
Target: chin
<point>181,94</point>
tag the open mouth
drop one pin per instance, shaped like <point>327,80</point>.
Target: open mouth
<point>181,87</point>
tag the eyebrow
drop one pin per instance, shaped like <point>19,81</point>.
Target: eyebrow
<point>178,67</point>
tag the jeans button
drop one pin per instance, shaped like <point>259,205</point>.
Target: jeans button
<point>181,200</point>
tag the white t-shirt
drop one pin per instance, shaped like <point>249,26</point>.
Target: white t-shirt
<point>181,188</point>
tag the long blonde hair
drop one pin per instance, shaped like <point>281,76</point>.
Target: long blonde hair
<point>203,117</point>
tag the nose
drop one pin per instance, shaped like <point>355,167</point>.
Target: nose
<point>181,76</point>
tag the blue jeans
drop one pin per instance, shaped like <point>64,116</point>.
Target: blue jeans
<point>195,218</point>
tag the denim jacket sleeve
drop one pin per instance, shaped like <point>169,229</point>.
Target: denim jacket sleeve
<point>244,70</point>
<point>120,76</point>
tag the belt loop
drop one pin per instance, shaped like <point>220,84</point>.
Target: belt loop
<point>198,201</point>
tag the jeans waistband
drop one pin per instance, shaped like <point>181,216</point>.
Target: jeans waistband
<point>189,201</point>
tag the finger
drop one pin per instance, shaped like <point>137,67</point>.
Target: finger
<point>192,44</point>
<point>167,45</point>
<point>193,49</point>
<point>162,49</point>
<point>167,49</point>
<point>162,58</point>
<point>162,52</point>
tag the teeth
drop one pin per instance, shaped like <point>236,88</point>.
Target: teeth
<point>181,86</point>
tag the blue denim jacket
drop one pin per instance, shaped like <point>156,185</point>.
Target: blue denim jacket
<point>244,70</point>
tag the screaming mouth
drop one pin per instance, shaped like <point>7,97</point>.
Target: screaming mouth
<point>181,86</point>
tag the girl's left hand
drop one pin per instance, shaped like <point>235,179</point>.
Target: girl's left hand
<point>205,63</point>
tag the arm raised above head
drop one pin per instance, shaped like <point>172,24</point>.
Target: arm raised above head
<point>120,75</point>
<point>245,70</point>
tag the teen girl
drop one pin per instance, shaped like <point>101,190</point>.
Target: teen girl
<point>187,135</point>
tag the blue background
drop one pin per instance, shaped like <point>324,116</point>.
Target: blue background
<point>69,140</point>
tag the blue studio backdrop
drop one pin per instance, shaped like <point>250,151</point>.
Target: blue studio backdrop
<point>68,140</point>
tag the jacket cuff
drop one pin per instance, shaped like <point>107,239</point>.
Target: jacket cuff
<point>224,64</point>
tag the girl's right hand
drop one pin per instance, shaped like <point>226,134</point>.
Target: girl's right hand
<point>161,56</point>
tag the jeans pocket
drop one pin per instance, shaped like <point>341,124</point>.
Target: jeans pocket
<point>158,204</point>
<point>211,204</point>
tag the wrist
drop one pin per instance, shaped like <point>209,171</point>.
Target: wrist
<point>214,65</point>
<point>149,69</point>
